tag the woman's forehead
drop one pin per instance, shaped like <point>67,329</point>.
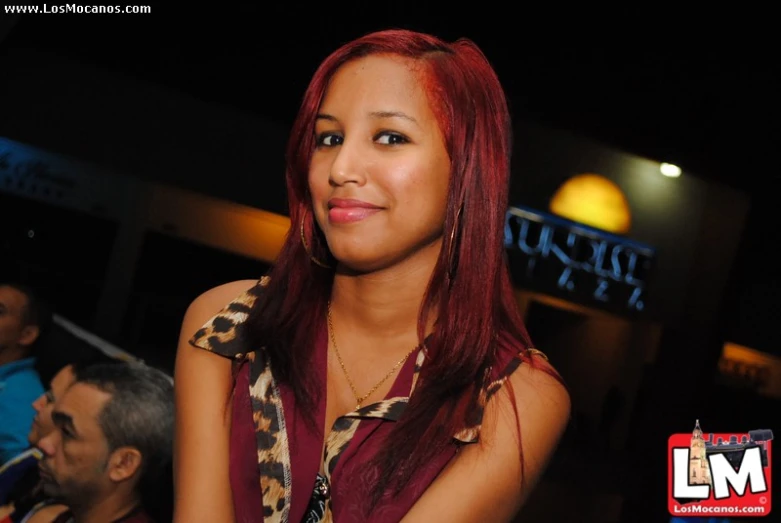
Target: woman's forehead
<point>377,83</point>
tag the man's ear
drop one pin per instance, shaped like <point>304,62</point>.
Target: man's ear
<point>29,335</point>
<point>124,463</point>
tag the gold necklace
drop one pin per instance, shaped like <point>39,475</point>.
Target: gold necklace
<point>358,398</point>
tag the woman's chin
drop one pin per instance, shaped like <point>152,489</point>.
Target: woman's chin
<point>358,267</point>
<point>359,262</point>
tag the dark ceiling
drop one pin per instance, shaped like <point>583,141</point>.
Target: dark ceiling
<point>702,95</point>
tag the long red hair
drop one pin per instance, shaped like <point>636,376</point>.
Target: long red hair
<point>470,287</point>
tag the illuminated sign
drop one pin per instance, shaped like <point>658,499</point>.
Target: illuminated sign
<point>551,254</point>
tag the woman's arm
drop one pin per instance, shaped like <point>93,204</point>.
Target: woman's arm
<point>483,482</point>
<point>203,387</point>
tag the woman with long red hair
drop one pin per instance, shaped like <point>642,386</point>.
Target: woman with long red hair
<point>381,371</point>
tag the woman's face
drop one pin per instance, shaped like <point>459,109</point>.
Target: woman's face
<point>380,171</point>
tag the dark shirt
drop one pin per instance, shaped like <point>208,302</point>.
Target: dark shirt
<point>137,515</point>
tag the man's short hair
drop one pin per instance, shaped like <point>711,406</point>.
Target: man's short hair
<point>79,361</point>
<point>35,313</point>
<point>140,413</point>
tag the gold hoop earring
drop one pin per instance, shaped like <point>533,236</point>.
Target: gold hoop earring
<point>452,262</point>
<point>306,247</point>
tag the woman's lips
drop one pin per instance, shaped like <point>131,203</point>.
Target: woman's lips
<point>344,210</point>
<point>350,214</point>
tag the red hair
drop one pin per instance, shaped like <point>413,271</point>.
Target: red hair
<point>477,311</point>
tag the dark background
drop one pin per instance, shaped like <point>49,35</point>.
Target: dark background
<point>703,95</point>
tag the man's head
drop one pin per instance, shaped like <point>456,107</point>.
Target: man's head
<point>23,318</point>
<point>114,426</point>
<point>42,423</point>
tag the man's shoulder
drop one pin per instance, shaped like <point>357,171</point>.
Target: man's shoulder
<point>21,378</point>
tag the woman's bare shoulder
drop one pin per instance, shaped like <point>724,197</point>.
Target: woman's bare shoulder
<point>204,411</point>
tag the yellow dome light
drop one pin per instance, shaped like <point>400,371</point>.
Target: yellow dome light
<point>593,200</point>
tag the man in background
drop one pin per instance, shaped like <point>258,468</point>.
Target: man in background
<point>19,480</point>
<point>23,320</point>
<point>113,436</point>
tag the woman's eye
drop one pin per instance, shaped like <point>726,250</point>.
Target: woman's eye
<point>329,140</point>
<point>391,139</point>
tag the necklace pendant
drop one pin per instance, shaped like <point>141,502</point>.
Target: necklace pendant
<point>358,407</point>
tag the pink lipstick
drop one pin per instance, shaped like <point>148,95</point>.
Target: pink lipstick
<point>341,210</point>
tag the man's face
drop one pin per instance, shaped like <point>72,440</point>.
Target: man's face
<point>12,309</point>
<point>74,468</point>
<point>43,424</point>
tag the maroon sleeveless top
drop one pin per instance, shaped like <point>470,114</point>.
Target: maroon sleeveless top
<point>275,456</point>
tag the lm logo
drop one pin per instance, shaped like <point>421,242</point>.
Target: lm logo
<point>719,473</point>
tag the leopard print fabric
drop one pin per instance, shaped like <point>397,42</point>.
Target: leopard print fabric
<point>220,335</point>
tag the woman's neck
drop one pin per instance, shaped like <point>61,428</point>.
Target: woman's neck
<point>385,303</point>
